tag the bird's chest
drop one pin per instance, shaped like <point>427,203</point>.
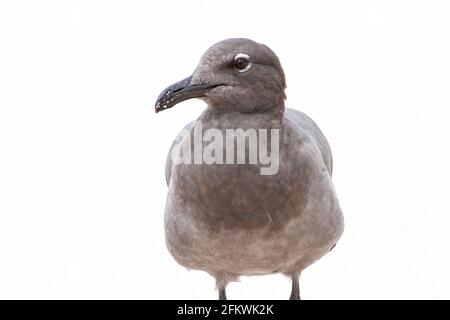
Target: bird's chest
<point>246,178</point>
<point>237,196</point>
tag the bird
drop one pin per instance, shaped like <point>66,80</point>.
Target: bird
<point>232,218</point>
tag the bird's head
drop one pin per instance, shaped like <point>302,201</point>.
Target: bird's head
<point>234,74</point>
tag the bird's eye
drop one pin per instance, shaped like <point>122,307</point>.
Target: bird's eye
<point>241,62</point>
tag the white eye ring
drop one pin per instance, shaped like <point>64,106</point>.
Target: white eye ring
<point>246,57</point>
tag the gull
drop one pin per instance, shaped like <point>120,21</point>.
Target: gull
<point>225,215</point>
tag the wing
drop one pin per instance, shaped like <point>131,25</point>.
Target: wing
<point>310,127</point>
<point>175,142</point>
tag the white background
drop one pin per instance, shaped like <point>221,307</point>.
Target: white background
<point>82,153</point>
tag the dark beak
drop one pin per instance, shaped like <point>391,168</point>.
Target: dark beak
<point>181,91</point>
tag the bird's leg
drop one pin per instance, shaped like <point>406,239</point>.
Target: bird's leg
<point>295,293</point>
<point>221,285</point>
<point>222,294</point>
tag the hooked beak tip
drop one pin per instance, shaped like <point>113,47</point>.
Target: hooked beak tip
<point>180,91</point>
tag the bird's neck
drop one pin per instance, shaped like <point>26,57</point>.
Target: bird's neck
<point>220,118</point>
<point>255,106</point>
<point>269,113</point>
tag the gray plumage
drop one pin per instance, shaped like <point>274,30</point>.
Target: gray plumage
<point>228,219</point>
